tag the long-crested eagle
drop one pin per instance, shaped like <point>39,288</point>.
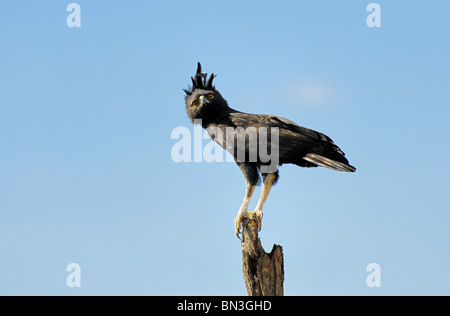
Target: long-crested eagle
<point>244,135</point>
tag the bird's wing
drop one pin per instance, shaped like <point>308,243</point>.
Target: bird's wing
<point>295,142</point>
<point>248,120</point>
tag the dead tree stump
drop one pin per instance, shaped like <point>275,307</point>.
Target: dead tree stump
<point>263,272</point>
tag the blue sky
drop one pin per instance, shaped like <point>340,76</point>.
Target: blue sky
<point>86,174</point>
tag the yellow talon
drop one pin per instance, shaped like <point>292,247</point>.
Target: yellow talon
<point>237,225</point>
<point>256,216</point>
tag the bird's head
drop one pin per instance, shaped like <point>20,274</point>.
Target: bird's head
<point>203,101</point>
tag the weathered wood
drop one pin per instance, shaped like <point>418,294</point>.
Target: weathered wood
<point>263,272</point>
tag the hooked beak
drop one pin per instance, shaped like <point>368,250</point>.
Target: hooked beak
<point>202,100</point>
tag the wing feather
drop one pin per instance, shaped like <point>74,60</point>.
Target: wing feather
<point>298,145</point>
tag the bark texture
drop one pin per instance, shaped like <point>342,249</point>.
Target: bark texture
<point>263,272</point>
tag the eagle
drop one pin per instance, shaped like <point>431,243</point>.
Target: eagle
<point>249,138</point>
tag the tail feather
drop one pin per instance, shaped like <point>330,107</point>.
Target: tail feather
<point>328,163</point>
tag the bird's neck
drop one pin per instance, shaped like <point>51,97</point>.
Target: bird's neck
<point>216,118</point>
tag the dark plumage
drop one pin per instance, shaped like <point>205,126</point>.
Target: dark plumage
<point>296,145</point>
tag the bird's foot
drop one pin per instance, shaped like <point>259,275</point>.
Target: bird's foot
<point>255,216</point>
<point>238,224</point>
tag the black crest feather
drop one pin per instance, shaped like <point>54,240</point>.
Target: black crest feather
<point>201,81</point>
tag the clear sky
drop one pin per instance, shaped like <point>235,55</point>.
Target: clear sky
<point>86,174</point>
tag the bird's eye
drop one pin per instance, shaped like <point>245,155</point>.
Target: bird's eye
<point>211,96</point>
<point>195,103</point>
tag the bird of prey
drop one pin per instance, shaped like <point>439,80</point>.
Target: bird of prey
<point>293,144</point>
